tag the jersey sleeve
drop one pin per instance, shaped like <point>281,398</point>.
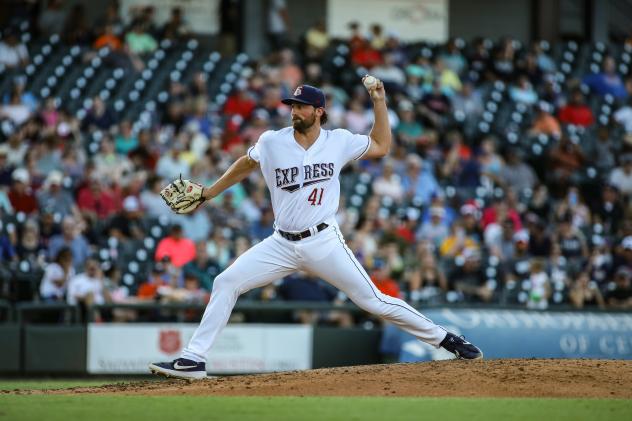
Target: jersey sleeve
<point>354,146</point>
<point>255,152</point>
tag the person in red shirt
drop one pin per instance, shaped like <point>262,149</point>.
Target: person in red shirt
<point>576,111</point>
<point>382,280</point>
<point>96,202</point>
<point>240,102</point>
<point>179,249</point>
<point>21,196</point>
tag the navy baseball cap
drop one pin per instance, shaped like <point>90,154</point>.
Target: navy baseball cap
<point>306,94</point>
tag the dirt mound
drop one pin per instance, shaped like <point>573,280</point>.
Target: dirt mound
<point>493,378</point>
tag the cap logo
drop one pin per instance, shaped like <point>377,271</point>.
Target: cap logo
<point>298,91</point>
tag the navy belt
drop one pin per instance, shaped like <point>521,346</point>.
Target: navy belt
<point>298,236</point>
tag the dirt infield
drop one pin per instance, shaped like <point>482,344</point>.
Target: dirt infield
<point>493,378</point>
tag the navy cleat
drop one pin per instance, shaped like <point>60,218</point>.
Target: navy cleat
<point>461,348</point>
<point>180,368</point>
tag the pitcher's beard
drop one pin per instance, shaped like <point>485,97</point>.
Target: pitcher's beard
<point>302,126</point>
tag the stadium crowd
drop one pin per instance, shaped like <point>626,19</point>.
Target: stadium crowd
<point>458,212</point>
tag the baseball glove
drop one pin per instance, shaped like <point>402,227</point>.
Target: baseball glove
<point>183,196</point>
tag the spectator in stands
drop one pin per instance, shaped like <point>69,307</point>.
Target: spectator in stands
<point>576,111</point>
<point>409,130</point>
<point>53,198</point>
<point>544,60</point>
<point>390,73</point>
<point>621,296</point>
<point>448,79</point>
<point>88,288</point>
<point>179,249</point>
<point>199,117</point>
<point>16,110</point>
<point>279,24</point>
<point>202,267</point>
<point>539,239</point>
<point>491,163</point>
<point>151,200</point>
<point>566,159</point>
<point>544,122</point>
<point>603,153</point>
<point>503,66</point>
<point>435,230</point>
<point>302,287</point>
<point>436,105</point>
<point>51,20</point>
<point>99,116</point>
<point>108,38</point>
<point>426,280</point>
<point>108,164</point>
<point>290,73</point>
<point>125,141</point>
<point>539,286</point>
<point>419,182</point>
<point>623,116</point>
<point>572,242</point>
<point>13,53</point>
<point>172,164</point>
<point>241,102</point>
<point>457,242</point>
<point>57,276</point>
<point>356,119</point>
<point>621,176</point>
<point>389,184</point>
<point>468,102</point>
<point>453,58</point>
<point>364,55</point>
<point>376,36</point>
<point>30,247</point>
<point>585,293</point>
<point>609,210</point>
<point>139,41</point>
<point>176,27</point>
<point>164,276</point>
<point>21,195</point>
<point>606,82</point>
<point>316,41</point>
<point>381,277</point>
<point>528,66</point>
<point>516,266</point>
<point>523,92</point>
<point>127,224</point>
<point>96,201</point>
<point>469,278</point>
<point>71,238</point>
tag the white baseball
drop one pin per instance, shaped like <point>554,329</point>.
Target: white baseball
<point>369,82</point>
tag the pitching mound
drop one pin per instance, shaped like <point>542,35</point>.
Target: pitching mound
<point>493,378</point>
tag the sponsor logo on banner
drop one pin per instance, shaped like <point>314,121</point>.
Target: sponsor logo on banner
<point>253,348</point>
<point>170,342</point>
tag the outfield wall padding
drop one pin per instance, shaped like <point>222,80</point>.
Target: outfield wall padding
<point>54,349</point>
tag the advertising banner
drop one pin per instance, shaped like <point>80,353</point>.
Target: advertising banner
<point>522,334</point>
<point>253,348</point>
<point>411,20</point>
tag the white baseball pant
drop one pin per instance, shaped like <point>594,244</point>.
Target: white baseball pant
<point>324,255</point>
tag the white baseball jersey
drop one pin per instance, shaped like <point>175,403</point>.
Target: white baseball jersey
<point>305,191</point>
<point>303,183</point>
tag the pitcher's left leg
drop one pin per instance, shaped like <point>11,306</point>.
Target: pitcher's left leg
<point>341,269</point>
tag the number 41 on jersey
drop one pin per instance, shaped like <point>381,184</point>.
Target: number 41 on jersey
<point>316,196</point>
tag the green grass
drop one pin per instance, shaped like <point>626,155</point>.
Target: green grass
<point>51,384</point>
<point>122,408</point>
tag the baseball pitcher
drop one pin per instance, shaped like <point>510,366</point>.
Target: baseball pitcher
<point>301,165</point>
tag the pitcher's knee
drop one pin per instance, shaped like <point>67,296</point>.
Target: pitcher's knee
<point>224,282</point>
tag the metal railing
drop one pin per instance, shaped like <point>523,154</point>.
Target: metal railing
<point>62,313</point>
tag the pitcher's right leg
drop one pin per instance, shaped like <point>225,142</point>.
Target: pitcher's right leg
<point>266,262</point>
